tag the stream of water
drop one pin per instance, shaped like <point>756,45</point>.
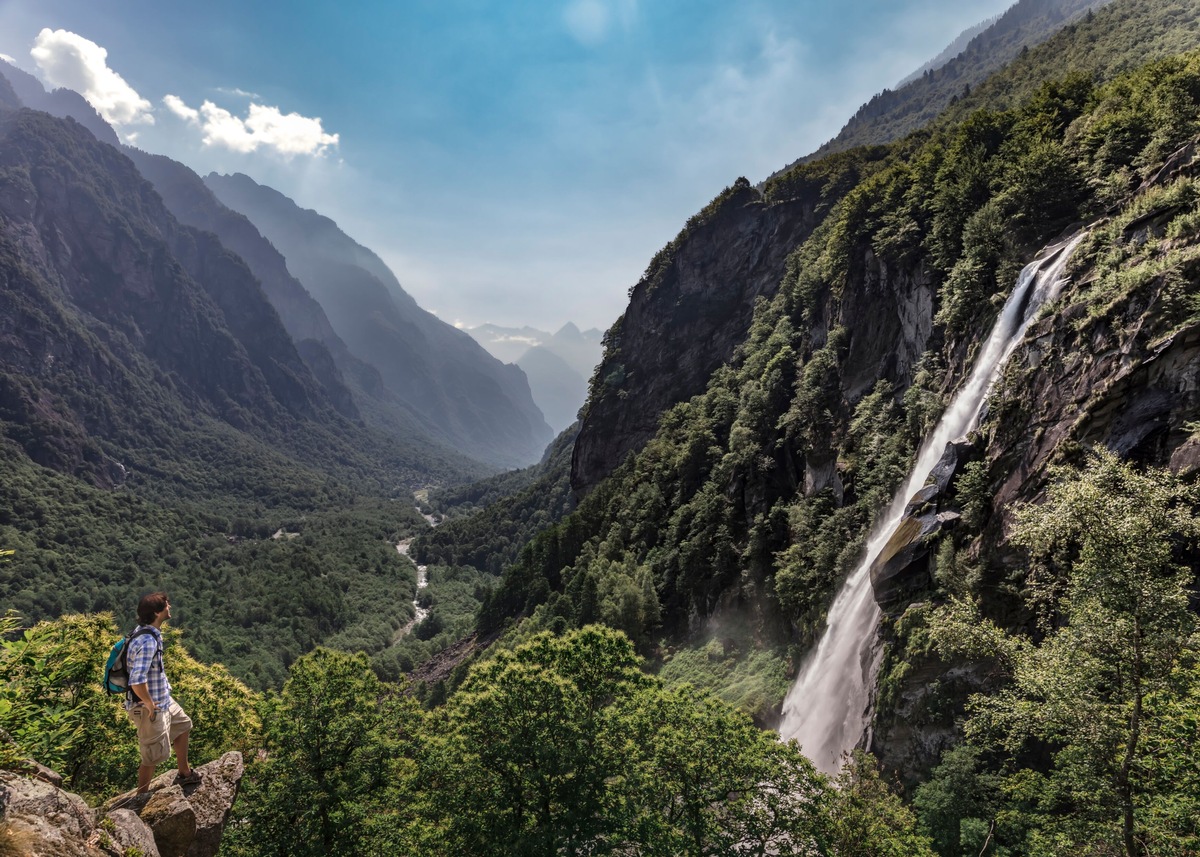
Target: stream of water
<point>828,708</point>
<point>419,612</point>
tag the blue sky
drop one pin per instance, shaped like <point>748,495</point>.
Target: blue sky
<point>514,162</point>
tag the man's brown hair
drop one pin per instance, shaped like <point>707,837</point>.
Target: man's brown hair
<point>150,606</point>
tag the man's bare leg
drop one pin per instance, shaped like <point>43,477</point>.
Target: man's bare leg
<point>145,774</point>
<point>181,750</point>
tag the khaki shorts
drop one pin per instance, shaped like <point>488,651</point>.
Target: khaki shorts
<point>156,734</point>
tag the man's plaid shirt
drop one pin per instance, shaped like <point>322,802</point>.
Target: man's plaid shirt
<point>146,667</point>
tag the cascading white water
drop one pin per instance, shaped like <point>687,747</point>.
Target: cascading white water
<point>826,710</point>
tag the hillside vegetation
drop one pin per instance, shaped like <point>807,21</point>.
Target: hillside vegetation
<point>157,427</point>
<point>895,113</point>
<point>715,501</point>
<point>490,521</point>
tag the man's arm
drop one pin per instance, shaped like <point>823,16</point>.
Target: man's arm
<point>142,691</point>
<point>139,659</point>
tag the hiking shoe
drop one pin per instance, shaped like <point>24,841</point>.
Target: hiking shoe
<point>192,778</point>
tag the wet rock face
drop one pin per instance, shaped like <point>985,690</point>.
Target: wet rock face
<point>903,566</point>
<point>39,818</point>
<point>1115,385</point>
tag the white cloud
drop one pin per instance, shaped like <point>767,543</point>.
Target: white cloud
<point>69,60</point>
<point>240,93</point>
<point>531,341</point>
<point>587,21</point>
<point>8,59</point>
<point>263,128</point>
<point>175,104</point>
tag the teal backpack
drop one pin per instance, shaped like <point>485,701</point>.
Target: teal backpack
<point>116,670</point>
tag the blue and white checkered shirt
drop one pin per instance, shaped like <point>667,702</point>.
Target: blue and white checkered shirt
<point>146,666</point>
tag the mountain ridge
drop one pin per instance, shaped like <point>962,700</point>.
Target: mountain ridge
<point>480,405</point>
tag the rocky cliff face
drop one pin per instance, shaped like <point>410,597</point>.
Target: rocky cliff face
<point>685,318</point>
<point>479,405</point>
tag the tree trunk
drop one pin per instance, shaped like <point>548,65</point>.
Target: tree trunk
<point>1125,781</point>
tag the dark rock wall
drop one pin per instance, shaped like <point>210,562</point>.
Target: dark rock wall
<point>683,324</point>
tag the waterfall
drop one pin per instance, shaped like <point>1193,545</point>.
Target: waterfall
<point>827,709</point>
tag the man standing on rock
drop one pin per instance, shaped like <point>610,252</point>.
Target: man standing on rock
<point>161,723</point>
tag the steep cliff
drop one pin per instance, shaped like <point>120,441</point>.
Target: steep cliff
<point>686,316</point>
<point>745,502</point>
<point>658,355</point>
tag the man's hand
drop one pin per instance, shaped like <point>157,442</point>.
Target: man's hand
<point>142,692</point>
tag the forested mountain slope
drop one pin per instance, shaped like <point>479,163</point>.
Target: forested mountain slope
<point>752,498</point>
<point>632,387</point>
<point>479,405</point>
<point>493,519</point>
<point>686,316</point>
<point>893,114</point>
<point>159,424</point>
<point>344,377</point>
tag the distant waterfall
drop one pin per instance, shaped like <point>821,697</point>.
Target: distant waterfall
<point>826,710</point>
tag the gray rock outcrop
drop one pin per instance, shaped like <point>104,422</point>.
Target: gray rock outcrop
<point>39,818</point>
<point>685,318</point>
<point>187,821</point>
<point>169,820</point>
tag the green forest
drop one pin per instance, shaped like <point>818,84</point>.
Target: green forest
<point>566,744</point>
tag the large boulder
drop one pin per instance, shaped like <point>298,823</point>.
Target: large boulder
<point>187,820</point>
<point>39,818</point>
<point>172,819</point>
<point>127,832</point>
<point>902,567</point>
